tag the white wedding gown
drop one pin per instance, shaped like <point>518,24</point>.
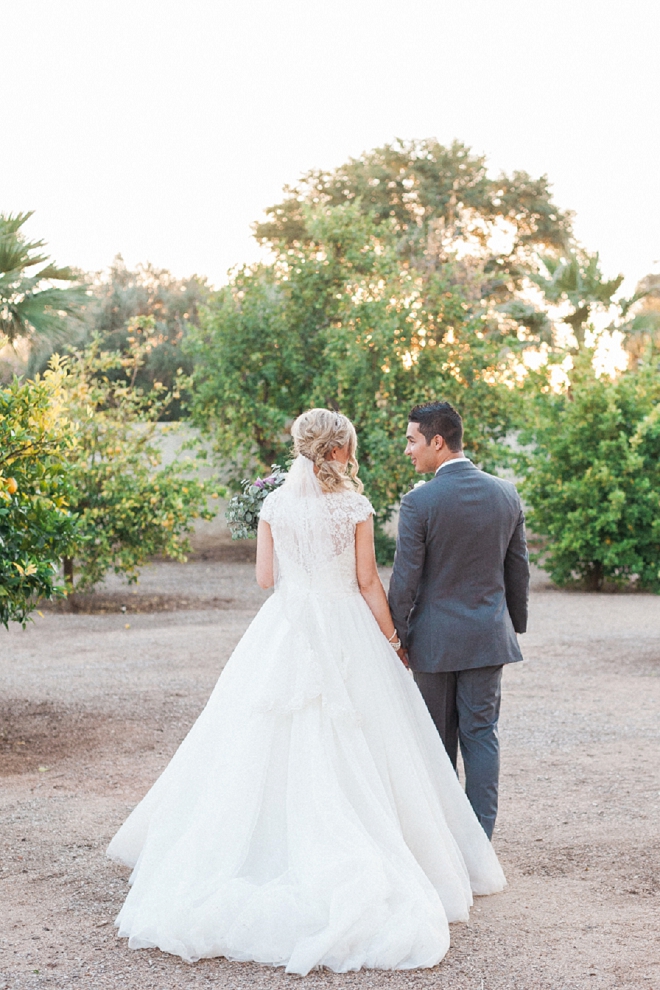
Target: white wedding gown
<point>311,817</point>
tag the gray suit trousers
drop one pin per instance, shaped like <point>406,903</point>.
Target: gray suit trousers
<point>465,707</point>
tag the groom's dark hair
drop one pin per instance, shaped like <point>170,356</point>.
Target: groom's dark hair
<point>439,419</point>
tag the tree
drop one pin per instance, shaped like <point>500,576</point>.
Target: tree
<point>343,321</point>
<point>128,507</point>
<point>593,478</point>
<point>116,299</point>
<point>574,277</point>
<point>32,307</point>
<point>37,527</point>
<point>644,328</point>
<point>395,278</point>
<point>427,194</point>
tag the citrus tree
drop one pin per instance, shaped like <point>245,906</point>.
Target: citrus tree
<point>343,322</point>
<point>37,527</point>
<point>394,279</point>
<point>593,478</point>
<point>128,505</point>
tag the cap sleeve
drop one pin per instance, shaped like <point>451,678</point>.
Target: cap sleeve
<point>268,506</point>
<point>361,508</point>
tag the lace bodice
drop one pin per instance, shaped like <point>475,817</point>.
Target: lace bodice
<point>314,538</point>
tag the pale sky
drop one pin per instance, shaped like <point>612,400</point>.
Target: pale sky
<point>162,128</point>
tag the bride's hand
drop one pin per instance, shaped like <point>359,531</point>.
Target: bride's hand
<point>403,657</point>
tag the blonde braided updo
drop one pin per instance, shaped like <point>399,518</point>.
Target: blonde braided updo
<point>315,434</point>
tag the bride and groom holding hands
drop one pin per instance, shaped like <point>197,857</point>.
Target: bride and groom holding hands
<point>313,815</point>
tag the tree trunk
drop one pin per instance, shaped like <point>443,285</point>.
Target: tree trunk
<point>67,567</point>
<point>594,579</point>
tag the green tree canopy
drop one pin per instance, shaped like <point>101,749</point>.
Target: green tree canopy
<point>117,298</point>
<point>593,477</point>
<point>394,279</point>
<point>342,321</point>
<point>429,194</point>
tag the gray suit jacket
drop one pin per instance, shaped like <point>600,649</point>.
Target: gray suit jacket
<point>460,584</point>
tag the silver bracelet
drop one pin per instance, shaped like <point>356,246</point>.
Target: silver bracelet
<point>393,637</point>
<point>396,645</point>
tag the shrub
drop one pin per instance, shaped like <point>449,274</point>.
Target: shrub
<point>129,507</point>
<point>37,527</point>
<point>593,479</point>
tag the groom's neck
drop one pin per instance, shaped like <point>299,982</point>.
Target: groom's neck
<point>448,455</point>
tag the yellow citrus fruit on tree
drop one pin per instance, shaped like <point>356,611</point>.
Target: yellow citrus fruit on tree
<point>12,487</point>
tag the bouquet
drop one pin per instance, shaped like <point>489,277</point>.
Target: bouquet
<point>242,513</point>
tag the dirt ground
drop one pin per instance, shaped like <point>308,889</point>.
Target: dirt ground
<point>93,705</point>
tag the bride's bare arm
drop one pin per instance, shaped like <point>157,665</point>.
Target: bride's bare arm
<point>265,576</point>
<point>371,587</point>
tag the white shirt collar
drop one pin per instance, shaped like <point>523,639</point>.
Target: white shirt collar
<point>451,461</point>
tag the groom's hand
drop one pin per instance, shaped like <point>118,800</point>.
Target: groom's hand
<point>403,657</point>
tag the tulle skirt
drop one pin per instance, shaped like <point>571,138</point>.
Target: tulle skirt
<point>311,817</point>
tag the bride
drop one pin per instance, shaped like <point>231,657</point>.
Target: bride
<point>311,817</point>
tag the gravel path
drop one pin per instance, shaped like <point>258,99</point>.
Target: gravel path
<point>92,707</point>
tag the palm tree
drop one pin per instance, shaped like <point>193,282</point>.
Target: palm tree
<point>644,331</point>
<point>31,307</point>
<point>576,277</point>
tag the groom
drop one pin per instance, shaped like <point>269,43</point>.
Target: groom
<point>458,594</point>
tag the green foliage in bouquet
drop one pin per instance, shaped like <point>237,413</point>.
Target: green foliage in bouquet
<point>37,527</point>
<point>593,478</point>
<point>243,510</point>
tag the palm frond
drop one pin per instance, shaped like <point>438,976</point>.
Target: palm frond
<point>30,305</point>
